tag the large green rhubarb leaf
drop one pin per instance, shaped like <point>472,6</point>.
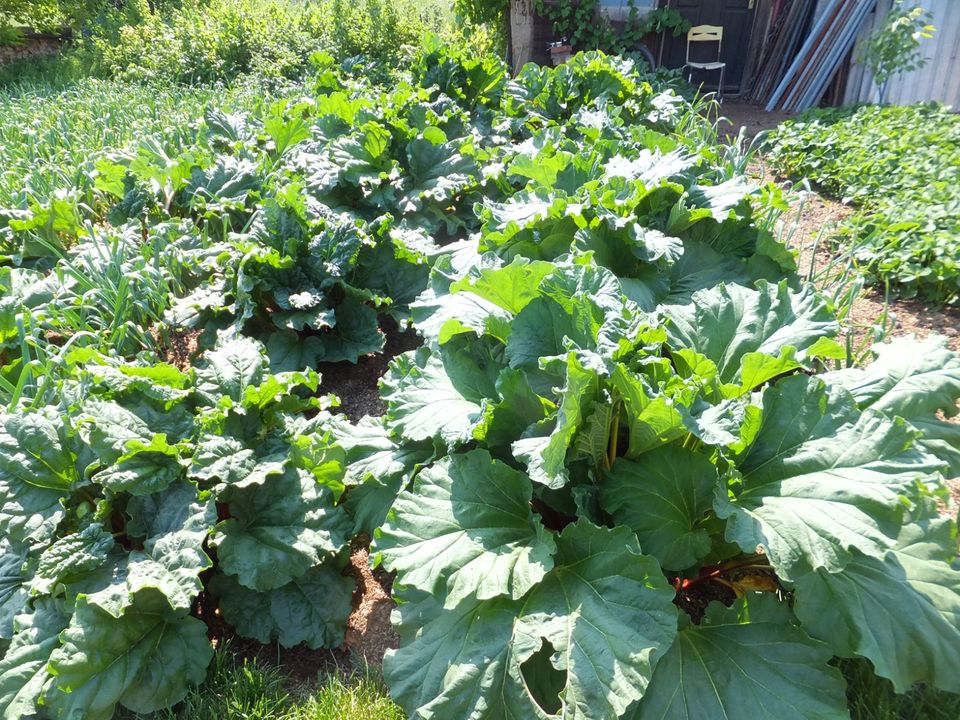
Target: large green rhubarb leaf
<point>942,440</point>
<point>909,378</point>
<point>34,450</point>
<point>23,670</point>
<point>820,479</point>
<point>438,172</point>
<point>607,611</point>
<point>173,525</point>
<point>727,322</point>
<point>543,329</point>
<point>663,497</point>
<point>13,578</point>
<point>510,287</point>
<point>584,641</point>
<point>575,304</point>
<point>467,529</point>
<point>145,660</point>
<point>652,419</point>
<point>376,467</point>
<point>424,403</point>
<point>109,427</point>
<point>144,469</point>
<point>229,461</point>
<point>545,457</point>
<point>29,513</point>
<point>901,611</point>
<point>744,662</point>
<point>278,531</point>
<point>371,452</point>
<point>311,609</point>
<point>72,557</point>
<point>439,319</point>
<point>356,332</point>
<point>37,472</point>
<point>458,662</point>
<point>229,369</point>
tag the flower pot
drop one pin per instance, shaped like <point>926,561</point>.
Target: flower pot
<point>560,54</point>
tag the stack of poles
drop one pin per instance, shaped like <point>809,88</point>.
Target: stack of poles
<point>782,43</point>
<point>830,39</point>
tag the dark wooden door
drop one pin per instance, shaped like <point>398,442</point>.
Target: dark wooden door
<point>736,17</point>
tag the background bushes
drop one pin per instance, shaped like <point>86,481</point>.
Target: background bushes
<point>207,41</point>
<point>204,42</point>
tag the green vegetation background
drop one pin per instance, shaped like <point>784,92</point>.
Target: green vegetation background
<point>139,73</point>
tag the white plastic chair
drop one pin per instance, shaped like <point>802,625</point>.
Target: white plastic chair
<point>706,33</point>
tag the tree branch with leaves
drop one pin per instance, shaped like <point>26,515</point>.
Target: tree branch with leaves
<point>894,47</point>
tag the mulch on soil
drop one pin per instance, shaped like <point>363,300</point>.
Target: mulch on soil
<point>356,385</point>
<point>369,631</point>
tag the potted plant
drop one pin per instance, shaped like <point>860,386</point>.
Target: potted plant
<point>560,51</point>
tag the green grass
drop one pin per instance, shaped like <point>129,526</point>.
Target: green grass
<point>873,698</point>
<point>338,699</point>
<point>248,690</point>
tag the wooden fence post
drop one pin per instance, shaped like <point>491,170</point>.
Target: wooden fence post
<point>521,33</point>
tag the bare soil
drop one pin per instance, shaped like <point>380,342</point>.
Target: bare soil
<point>356,385</point>
<point>179,348</point>
<point>751,118</point>
<point>369,632</point>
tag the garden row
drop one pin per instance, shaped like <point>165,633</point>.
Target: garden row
<point>900,166</point>
<point>617,460</point>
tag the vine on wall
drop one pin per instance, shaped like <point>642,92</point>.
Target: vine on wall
<point>582,24</point>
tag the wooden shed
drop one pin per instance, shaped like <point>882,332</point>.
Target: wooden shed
<point>790,54</point>
<point>735,16</point>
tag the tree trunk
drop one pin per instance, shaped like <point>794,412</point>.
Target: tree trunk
<point>521,33</point>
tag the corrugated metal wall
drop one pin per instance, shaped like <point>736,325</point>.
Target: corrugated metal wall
<point>939,80</point>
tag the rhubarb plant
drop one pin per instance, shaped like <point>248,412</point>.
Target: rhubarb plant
<point>628,457</point>
<point>630,503</point>
<point>146,492</point>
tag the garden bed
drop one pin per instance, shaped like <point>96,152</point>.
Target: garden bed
<point>625,427</point>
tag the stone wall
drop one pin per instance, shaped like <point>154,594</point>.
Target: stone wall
<point>31,47</point>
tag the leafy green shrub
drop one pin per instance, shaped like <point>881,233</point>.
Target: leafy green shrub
<point>586,27</point>
<point>379,30</point>
<point>901,167</point>
<point>894,47</point>
<point>207,41</point>
<point>217,40</point>
<point>54,15</point>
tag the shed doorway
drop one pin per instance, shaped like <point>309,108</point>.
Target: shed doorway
<point>736,17</point>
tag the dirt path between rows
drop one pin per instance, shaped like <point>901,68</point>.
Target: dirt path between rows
<point>872,316</point>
